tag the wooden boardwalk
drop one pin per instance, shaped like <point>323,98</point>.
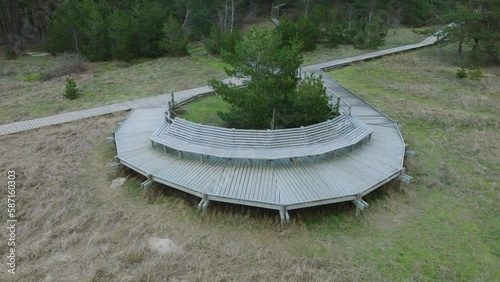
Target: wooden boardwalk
<point>279,184</point>
<point>186,94</point>
<point>152,101</point>
<point>313,140</point>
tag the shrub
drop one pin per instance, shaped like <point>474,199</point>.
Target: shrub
<point>287,29</point>
<point>175,39</point>
<point>10,53</point>
<point>304,29</point>
<point>335,35</point>
<point>66,64</point>
<point>219,40</point>
<point>461,73</point>
<point>71,90</point>
<point>308,33</point>
<point>476,74</point>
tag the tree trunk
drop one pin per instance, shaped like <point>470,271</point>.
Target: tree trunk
<point>460,43</point>
<point>186,17</point>
<point>232,15</point>
<point>225,16</point>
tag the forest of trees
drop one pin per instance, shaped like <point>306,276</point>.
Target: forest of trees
<point>124,29</point>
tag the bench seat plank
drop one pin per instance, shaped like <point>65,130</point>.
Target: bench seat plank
<point>331,135</point>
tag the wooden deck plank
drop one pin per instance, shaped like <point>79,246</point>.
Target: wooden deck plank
<point>263,183</point>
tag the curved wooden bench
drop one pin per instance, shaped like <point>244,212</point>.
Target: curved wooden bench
<point>331,135</point>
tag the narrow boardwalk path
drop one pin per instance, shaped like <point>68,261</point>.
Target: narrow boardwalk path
<point>153,101</point>
<point>282,184</point>
<point>189,93</point>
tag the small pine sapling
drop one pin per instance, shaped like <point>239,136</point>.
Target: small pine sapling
<point>71,91</point>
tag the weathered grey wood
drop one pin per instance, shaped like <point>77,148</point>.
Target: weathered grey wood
<point>283,184</point>
<point>343,131</point>
<point>153,101</point>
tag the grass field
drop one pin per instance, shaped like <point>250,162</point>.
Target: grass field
<point>24,96</point>
<point>74,227</point>
<point>204,110</point>
<point>403,36</point>
<point>451,225</point>
<point>444,226</point>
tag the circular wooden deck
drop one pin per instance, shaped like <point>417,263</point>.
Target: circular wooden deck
<point>291,181</point>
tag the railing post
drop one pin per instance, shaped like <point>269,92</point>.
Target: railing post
<point>337,107</point>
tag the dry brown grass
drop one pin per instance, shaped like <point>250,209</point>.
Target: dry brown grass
<point>25,96</point>
<point>73,228</point>
<point>67,64</point>
<point>442,227</point>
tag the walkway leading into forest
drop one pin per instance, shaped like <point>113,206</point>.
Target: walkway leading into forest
<point>153,101</point>
<point>189,163</point>
<point>280,184</point>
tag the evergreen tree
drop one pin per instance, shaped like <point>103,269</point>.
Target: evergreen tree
<point>147,18</point>
<point>368,29</point>
<point>64,32</point>
<point>310,104</point>
<point>96,45</point>
<point>120,34</point>
<point>287,30</point>
<point>175,40</point>
<point>304,30</point>
<point>221,40</point>
<point>476,23</point>
<point>307,32</point>
<point>273,95</point>
<point>417,12</point>
<point>71,91</point>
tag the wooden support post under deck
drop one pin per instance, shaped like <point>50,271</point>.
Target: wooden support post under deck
<point>203,205</point>
<point>111,139</point>
<point>180,154</point>
<point>165,149</point>
<point>403,177</point>
<point>152,143</point>
<point>361,205</point>
<point>284,217</point>
<point>115,165</point>
<point>147,184</point>
<point>410,153</point>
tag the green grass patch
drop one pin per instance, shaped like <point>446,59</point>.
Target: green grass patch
<point>30,77</point>
<point>204,110</point>
<point>403,36</point>
<point>133,187</point>
<point>444,227</point>
<point>109,82</point>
